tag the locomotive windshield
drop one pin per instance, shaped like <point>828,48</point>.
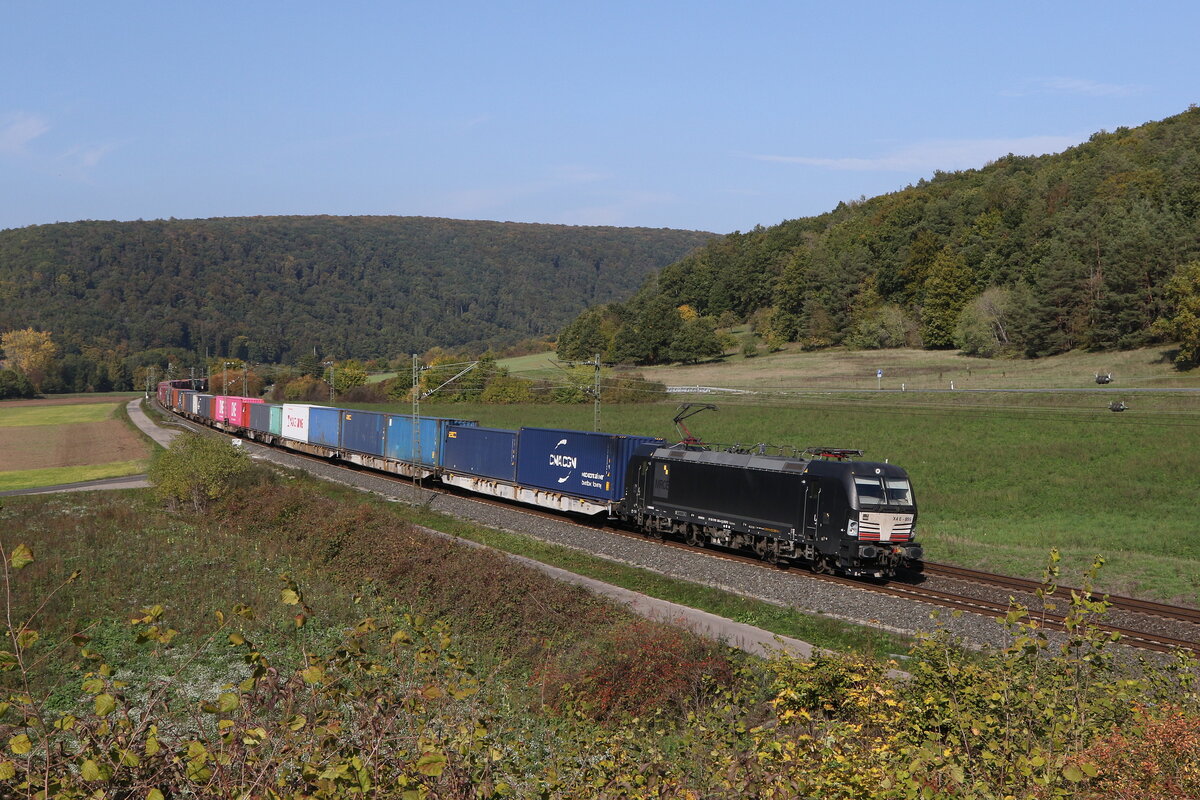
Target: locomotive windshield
<point>873,492</point>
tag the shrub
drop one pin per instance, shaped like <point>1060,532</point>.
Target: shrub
<point>634,670</point>
<point>197,470</point>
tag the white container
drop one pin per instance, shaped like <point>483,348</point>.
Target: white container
<point>295,421</point>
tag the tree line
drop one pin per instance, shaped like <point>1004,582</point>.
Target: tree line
<point>269,289</point>
<point>1091,248</point>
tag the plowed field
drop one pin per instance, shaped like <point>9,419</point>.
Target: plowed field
<point>83,443</point>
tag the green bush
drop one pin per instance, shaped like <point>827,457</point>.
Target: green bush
<point>197,470</point>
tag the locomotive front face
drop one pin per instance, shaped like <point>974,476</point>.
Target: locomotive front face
<point>886,512</point>
<point>883,514</point>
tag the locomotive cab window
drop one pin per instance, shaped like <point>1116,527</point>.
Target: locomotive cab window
<point>869,490</point>
<point>899,492</point>
<point>873,492</point>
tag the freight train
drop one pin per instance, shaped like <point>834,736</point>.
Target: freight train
<point>819,507</point>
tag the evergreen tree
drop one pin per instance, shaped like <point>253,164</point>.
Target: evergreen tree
<point>946,291</point>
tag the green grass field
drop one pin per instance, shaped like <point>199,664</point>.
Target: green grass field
<point>24,416</point>
<point>999,478</point>
<point>56,476</point>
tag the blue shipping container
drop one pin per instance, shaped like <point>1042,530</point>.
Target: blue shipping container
<point>485,452</point>
<point>363,431</point>
<point>206,406</point>
<point>579,463</point>
<point>260,417</point>
<point>324,425</point>
<point>432,431</point>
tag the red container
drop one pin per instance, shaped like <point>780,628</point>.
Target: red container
<point>239,410</point>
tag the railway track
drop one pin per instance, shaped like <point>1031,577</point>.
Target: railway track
<point>1138,638</point>
<point>1133,637</point>
<point>1117,602</point>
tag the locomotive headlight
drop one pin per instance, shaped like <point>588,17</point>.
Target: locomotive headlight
<point>852,528</point>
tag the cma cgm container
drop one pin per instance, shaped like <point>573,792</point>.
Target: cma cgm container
<point>577,463</point>
<point>399,443</point>
<point>363,431</point>
<point>481,452</point>
<point>295,421</point>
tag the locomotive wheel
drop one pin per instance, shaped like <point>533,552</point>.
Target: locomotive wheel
<point>764,550</point>
<point>694,537</point>
<point>822,566</point>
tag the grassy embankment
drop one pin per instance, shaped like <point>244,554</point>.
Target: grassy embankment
<point>351,556</point>
<point>52,443</point>
<point>527,684</point>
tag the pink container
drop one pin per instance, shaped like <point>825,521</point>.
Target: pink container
<point>239,410</point>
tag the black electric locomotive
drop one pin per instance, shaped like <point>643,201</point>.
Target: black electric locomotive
<point>853,517</point>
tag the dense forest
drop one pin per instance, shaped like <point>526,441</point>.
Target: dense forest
<point>1026,256</point>
<point>267,289</point>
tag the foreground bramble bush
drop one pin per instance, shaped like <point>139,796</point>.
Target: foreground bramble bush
<point>393,709</point>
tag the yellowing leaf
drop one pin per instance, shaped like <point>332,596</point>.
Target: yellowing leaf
<point>289,597</point>
<point>7,770</point>
<point>154,794</point>
<point>313,674</point>
<point>27,638</point>
<point>21,556</point>
<point>228,702</point>
<point>104,704</point>
<point>20,744</point>
<point>90,771</point>
<point>431,764</point>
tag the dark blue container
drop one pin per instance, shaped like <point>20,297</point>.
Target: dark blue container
<point>324,425</point>
<point>399,442</point>
<point>485,452</point>
<point>578,463</point>
<point>363,431</point>
<point>206,406</point>
<point>260,417</point>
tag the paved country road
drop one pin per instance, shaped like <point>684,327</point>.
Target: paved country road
<point>126,482</point>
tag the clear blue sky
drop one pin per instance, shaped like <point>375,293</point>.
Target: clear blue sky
<point>701,115</point>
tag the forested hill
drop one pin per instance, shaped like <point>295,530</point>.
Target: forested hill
<point>266,288</point>
<point>1029,255</point>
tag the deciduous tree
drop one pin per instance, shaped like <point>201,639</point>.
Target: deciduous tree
<point>30,352</point>
<point>1183,323</point>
